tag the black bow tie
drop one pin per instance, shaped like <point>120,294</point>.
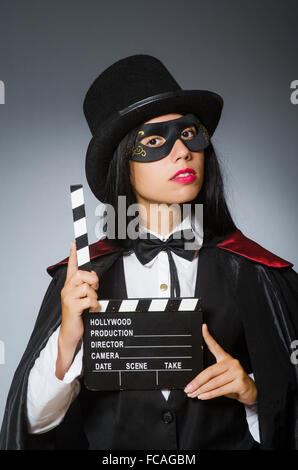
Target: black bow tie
<point>147,248</point>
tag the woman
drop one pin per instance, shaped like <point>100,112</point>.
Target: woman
<point>140,141</point>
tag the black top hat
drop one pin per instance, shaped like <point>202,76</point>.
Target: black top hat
<point>128,93</point>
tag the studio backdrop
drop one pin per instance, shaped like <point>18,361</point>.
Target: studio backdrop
<point>51,51</point>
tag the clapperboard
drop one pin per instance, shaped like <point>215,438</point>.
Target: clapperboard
<point>137,344</point>
<point>140,344</point>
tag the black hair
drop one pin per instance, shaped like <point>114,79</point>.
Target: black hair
<point>216,214</point>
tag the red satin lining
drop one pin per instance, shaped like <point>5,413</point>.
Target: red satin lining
<point>102,247</point>
<point>241,245</point>
<point>236,243</point>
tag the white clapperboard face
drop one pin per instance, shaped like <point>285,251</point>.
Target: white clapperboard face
<point>143,344</point>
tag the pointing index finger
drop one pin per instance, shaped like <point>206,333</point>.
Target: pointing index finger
<point>72,266</point>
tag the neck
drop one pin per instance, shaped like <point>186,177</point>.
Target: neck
<point>160,218</point>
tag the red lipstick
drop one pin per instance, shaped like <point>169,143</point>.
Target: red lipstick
<point>184,178</point>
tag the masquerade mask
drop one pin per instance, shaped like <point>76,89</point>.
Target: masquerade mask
<point>170,131</point>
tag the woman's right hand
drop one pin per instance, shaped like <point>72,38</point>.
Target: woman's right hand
<point>78,294</point>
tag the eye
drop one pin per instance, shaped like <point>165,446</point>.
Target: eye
<point>153,141</point>
<point>189,133</point>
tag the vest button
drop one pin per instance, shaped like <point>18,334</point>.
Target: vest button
<point>167,417</point>
<point>163,286</point>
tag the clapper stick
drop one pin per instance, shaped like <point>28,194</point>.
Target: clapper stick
<point>80,230</point>
<point>80,226</point>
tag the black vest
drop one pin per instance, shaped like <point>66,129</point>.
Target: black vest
<point>145,419</point>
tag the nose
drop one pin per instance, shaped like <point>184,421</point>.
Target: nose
<point>179,150</point>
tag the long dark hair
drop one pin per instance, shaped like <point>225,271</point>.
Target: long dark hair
<point>216,217</point>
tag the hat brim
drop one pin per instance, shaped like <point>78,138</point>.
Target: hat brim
<point>206,105</point>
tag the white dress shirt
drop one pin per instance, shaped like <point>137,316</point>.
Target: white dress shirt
<point>48,398</point>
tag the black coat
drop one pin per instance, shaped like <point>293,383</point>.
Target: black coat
<point>259,287</point>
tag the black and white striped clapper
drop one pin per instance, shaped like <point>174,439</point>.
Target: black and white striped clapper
<point>80,226</point>
<point>139,344</point>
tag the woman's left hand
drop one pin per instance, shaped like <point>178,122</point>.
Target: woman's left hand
<point>225,378</point>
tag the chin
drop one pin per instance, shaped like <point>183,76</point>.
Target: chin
<point>180,200</point>
<point>179,196</point>
<point>186,195</point>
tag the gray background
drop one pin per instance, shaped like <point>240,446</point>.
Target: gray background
<point>51,51</point>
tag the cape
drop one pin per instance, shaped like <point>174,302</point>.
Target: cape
<point>264,288</point>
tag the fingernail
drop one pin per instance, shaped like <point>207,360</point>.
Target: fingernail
<point>203,395</point>
<point>188,388</point>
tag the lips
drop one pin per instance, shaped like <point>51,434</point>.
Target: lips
<point>185,173</point>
